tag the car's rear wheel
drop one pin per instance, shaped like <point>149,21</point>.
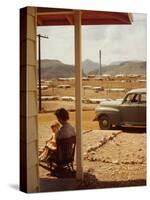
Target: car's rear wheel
<point>105,123</point>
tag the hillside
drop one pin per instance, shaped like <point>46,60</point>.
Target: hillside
<point>54,69</point>
<point>51,69</point>
<point>87,65</point>
<point>128,67</point>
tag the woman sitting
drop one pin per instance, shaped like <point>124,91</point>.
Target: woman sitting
<point>66,130</point>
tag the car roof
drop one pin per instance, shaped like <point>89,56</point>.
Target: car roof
<point>139,90</point>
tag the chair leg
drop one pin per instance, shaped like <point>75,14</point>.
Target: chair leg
<point>71,167</point>
<point>50,165</point>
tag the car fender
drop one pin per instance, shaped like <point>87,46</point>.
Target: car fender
<point>112,113</point>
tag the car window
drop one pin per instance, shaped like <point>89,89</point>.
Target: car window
<point>143,98</point>
<point>132,98</point>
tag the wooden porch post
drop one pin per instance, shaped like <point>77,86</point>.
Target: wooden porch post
<point>29,174</point>
<point>78,93</point>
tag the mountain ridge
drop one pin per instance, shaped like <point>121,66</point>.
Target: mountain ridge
<point>52,69</point>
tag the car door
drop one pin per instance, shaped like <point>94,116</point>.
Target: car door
<point>142,109</point>
<point>129,109</point>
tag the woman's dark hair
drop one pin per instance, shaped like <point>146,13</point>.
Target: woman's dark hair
<point>62,114</point>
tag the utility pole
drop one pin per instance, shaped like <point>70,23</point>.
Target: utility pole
<point>100,64</point>
<point>39,74</point>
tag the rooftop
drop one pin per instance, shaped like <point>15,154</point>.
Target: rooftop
<point>139,90</point>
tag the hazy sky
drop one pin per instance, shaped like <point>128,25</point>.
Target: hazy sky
<point>117,42</point>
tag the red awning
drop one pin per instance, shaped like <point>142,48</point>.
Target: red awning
<point>61,17</point>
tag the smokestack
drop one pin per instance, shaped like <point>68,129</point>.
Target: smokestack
<point>100,64</point>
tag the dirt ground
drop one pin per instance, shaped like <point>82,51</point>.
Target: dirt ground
<point>129,84</point>
<point>111,158</point>
<point>120,161</point>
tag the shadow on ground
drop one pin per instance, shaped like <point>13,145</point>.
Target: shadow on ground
<point>135,130</point>
<point>90,182</point>
<point>59,173</point>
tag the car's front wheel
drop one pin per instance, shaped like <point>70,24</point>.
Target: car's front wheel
<point>105,123</point>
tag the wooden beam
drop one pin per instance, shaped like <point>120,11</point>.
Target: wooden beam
<point>56,13</point>
<point>70,20</point>
<point>78,93</point>
<point>39,22</point>
<point>130,15</point>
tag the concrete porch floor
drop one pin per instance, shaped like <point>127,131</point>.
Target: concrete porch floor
<point>49,183</point>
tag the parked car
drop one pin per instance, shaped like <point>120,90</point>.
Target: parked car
<point>131,110</point>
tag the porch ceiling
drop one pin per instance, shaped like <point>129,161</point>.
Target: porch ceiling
<point>61,17</point>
